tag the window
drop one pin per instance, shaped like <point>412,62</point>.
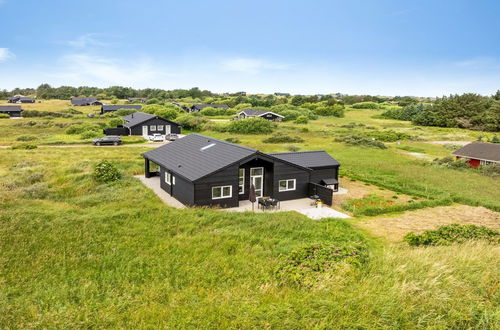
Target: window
<point>287,185</point>
<point>152,128</point>
<point>173,180</point>
<point>256,171</point>
<point>485,162</point>
<point>241,183</point>
<point>222,192</point>
<point>159,128</point>
<point>168,178</point>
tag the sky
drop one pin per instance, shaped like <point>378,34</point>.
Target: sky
<point>383,47</point>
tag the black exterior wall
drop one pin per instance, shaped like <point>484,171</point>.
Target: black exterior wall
<point>320,173</point>
<point>180,188</point>
<point>225,177</point>
<point>137,129</point>
<point>284,171</point>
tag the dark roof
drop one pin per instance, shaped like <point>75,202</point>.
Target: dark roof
<point>10,108</point>
<point>257,113</point>
<point>481,151</point>
<point>330,181</point>
<point>196,156</point>
<point>121,106</point>
<point>202,106</point>
<point>83,100</point>
<point>137,118</point>
<point>308,159</point>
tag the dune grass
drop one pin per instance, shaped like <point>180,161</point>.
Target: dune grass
<point>77,254</point>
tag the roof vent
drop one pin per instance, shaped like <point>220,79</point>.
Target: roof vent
<point>206,147</point>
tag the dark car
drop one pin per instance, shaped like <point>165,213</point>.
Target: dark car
<point>171,137</point>
<point>108,140</point>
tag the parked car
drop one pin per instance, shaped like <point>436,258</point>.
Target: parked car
<point>171,137</point>
<point>156,137</point>
<point>108,140</point>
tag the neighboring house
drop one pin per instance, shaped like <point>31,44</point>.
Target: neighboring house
<point>252,113</point>
<point>105,108</point>
<point>84,101</point>
<point>201,171</point>
<point>20,99</point>
<point>145,124</point>
<point>479,153</point>
<point>11,110</point>
<point>282,94</point>
<point>137,99</point>
<point>183,107</point>
<point>199,107</point>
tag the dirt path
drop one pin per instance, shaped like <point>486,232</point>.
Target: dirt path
<point>394,228</point>
<point>462,143</point>
<point>143,145</point>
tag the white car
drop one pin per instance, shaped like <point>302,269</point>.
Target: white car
<point>156,138</point>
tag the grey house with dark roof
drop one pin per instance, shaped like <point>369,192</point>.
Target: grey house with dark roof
<point>105,108</point>
<point>11,110</point>
<point>202,171</point>
<point>145,124</point>
<point>84,101</point>
<point>479,153</point>
<point>199,107</point>
<point>253,113</point>
<point>20,99</point>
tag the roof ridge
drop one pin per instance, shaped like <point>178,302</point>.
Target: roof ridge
<point>225,142</point>
<point>298,152</point>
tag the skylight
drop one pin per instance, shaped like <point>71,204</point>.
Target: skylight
<point>208,146</point>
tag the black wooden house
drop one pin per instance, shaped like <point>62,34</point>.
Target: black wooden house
<point>254,113</point>
<point>199,107</point>
<point>202,171</point>
<point>145,124</point>
<point>106,108</point>
<point>11,110</point>
<point>84,101</point>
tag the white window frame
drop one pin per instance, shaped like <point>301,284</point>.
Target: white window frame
<point>159,128</point>
<point>222,192</point>
<point>152,128</point>
<point>173,180</point>
<point>241,185</point>
<point>168,178</point>
<point>484,162</point>
<point>280,189</point>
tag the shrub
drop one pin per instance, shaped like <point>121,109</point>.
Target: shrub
<point>209,111</point>
<point>25,146</point>
<point>36,191</point>
<point>250,126</point>
<point>366,105</point>
<point>388,135</point>
<point>26,138</point>
<point>361,141</point>
<point>301,120</point>
<point>336,110</point>
<point>454,233</point>
<point>89,135</point>
<point>168,111</point>
<point>114,101</point>
<point>281,138</point>
<point>115,122</point>
<point>105,172</point>
<point>36,113</point>
<point>123,112</point>
<point>292,148</point>
<point>304,266</point>
<point>233,140</point>
<point>80,128</point>
<point>192,122</point>
<point>4,116</point>
<point>492,170</point>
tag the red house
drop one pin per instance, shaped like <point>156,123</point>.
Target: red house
<point>479,153</point>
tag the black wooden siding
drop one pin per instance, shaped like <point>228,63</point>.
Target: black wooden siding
<point>321,173</point>
<point>225,177</point>
<point>268,175</point>
<point>284,171</point>
<point>182,190</point>
<point>137,130</point>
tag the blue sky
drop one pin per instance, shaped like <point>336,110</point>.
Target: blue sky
<point>385,47</point>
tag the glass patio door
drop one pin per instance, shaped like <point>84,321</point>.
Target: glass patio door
<point>257,179</point>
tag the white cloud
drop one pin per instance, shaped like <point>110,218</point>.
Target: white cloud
<point>251,65</point>
<point>5,54</point>
<point>88,40</point>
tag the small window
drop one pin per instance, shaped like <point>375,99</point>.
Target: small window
<point>485,162</point>
<point>168,178</point>
<point>159,128</point>
<point>152,128</point>
<point>222,192</point>
<point>287,185</point>
<point>173,180</point>
<point>241,183</point>
<point>256,171</point>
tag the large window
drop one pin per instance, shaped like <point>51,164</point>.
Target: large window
<point>287,185</point>
<point>159,128</point>
<point>168,178</point>
<point>485,162</point>
<point>222,192</point>
<point>241,182</point>
<point>152,128</point>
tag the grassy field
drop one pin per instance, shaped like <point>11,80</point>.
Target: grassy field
<point>77,254</point>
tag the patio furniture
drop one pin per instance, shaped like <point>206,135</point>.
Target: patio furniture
<point>266,203</point>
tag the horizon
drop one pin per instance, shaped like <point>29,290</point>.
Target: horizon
<point>385,48</point>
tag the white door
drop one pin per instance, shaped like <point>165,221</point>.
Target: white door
<point>168,129</point>
<point>145,130</point>
<point>257,179</point>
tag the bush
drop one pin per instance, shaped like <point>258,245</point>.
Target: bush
<point>123,112</point>
<point>304,266</point>
<point>292,148</point>
<point>250,126</point>
<point>4,116</point>
<point>336,110</point>
<point>36,113</point>
<point>209,111</point>
<point>25,146</point>
<point>366,105</point>
<point>89,135</point>
<point>281,138</point>
<point>388,135</point>
<point>301,120</point>
<point>168,111</point>
<point>233,140</point>
<point>454,233</point>
<point>105,172</point>
<point>194,123</point>
<point>36,191</point>
<point>115,122</point>
<point>26,138</point>
<point>361,141</point>
<point>450,162</point>
<point>492,170</point>
<point>80,128</point>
